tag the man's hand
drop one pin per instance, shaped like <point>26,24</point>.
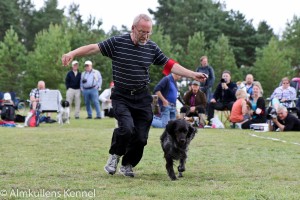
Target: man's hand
<point>66,59</point>
<point>213,100</point>
<point>198,76</point>
<point>192,109</point>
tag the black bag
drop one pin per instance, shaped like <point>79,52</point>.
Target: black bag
<point>19,118</point>
<point>8,113</point>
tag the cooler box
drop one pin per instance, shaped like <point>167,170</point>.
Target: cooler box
<point>260,127</point>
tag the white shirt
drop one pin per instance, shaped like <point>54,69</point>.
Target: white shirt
<point>104,97</point>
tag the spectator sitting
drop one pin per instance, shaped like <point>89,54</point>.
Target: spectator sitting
<point>283,95</point>
<point>166,90</point>
<point>35,97</point>
<point>7,109</point>
<point>249,80</point>
<point>285,121</point>
<point>106,101</point>
<point>224,96</point>
<point>195,104</point>
<point>258,108</point>
<point>240,111</point>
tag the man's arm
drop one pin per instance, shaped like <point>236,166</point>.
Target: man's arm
<point>278,124</point>
<point>180,70</point>
<point>81,51</point>
<point>162,98</point>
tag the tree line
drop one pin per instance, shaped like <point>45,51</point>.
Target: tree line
<point>32,42</point>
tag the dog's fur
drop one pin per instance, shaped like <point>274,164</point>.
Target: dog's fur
<point>174,142</point>
<point>64,114</point>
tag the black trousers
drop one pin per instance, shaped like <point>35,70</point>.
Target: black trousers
<point>218,106</point>
<point>134,116</point>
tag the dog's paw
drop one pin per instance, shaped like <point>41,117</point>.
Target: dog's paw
<point>173,178</point>
<point>180,175</point>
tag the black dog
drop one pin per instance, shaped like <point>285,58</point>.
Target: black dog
<point>174,142</point>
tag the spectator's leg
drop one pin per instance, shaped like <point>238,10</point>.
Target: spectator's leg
<point>94,96</point>
<point>77,103</point>
<point>87,101</point>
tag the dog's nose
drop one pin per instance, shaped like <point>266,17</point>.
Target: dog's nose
<point>182,141</point>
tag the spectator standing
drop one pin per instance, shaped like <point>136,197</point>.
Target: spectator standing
<point>91,82</point>
<point>167,93</point>
<point>224,95</point>
<point>206,86</point>
<point>132,54</point>
<point>72,82</point>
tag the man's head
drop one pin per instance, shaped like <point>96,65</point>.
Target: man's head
<point>204,61</point>
<point>249,79</point>
<point>141,29</point>
<point>282,112</point>
<point>195,86</point>
<point>41,85</point>
<point>176,77</point>
<point>88,65</point>
<point>226,75</point>
<point>75,65</point>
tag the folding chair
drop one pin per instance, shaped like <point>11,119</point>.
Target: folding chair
<point>49,101</point>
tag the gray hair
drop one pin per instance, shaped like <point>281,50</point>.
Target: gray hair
<point>281,108</point>
<point>141,16</point>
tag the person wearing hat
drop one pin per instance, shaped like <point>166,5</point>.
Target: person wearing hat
<point>104,97</point>
<point>72,82</point>
<point>224,95</point>
<point>7,110</point>
<point>90,84</point>
<point>195,104</point>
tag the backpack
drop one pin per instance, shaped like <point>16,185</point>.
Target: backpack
<point>8,113</point>
<point>32,119</point>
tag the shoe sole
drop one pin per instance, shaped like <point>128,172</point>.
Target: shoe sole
<point>111,173</point>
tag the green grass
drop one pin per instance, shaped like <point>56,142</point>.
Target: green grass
<point>222,164</point>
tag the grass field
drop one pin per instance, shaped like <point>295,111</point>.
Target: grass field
<point>67,162</point>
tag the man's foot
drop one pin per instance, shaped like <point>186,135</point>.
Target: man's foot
<point>97,118</point>
<point>89,118</point>
<point>112,163</point>
<point>76,117</point>
<point>126,170</point>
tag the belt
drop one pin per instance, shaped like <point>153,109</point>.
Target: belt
<point>131,92</point>
<point>86,88</point>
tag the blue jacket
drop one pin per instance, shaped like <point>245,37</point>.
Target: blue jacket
<point>73,81</point>
<point>164,86</point>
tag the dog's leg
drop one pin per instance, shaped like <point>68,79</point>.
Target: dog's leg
<point>169,167</point>
<point>181,167</point>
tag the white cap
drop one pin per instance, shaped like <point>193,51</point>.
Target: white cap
<point>7,96</point>
<point>74,62</point>
<point>88,62</point>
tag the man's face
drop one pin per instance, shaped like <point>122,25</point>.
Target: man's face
<point>87,68</point>
<point>195,88</point>
<point>142,31</point>
<point>177,77</point>
<point>204,62</point>
<point>249,79</point>
<point>282,114</point>
<point>75,67</point>
<point>227,77</point>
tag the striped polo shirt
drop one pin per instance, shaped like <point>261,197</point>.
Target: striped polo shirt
<point>130,63</point>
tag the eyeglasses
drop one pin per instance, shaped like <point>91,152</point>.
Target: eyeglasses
<point>285,83</point>
<point>141,32</point>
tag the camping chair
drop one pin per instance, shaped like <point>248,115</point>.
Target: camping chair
<point>49,101</point>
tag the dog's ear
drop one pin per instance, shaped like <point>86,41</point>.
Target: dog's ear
<point>170,127</point>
